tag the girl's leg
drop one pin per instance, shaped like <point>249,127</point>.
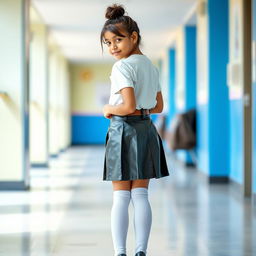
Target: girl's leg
<point>142,214</point>
<point>119,215</point>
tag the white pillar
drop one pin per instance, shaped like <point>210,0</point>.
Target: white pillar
<point>38,96</point>
<point>14,111</point>
<point>59,101</point>
<point>53,103</point>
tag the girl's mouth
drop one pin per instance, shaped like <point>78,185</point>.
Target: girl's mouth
<point>115,53</point>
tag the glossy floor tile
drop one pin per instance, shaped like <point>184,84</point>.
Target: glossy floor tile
<point>67,212</point>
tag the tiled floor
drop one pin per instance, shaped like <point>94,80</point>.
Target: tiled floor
<point>67,212</point>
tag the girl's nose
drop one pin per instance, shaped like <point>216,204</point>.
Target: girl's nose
<point>114,46</point>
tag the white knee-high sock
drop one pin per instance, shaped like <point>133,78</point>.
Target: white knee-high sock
<point>120,219</point>
<point>142,218</point>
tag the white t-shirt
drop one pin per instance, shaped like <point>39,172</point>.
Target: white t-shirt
<point>138,72</point>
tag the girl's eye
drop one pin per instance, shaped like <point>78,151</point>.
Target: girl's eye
<point>108,43</point>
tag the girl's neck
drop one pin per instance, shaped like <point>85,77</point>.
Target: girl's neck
<point>136,51</point>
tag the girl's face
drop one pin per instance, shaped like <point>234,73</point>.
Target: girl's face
<point>120,47</point>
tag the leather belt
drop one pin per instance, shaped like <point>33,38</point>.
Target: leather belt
<point>142,111</point>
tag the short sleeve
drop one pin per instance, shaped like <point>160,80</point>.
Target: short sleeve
<point>121,77</point>
<point>158,81</point>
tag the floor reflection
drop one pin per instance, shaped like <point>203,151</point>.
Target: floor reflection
<point>67,212</point>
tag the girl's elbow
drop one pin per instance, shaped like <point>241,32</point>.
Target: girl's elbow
<point>131,109</point>
<point>160,108</point>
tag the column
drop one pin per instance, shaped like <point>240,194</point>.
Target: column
<point>38,92</point>
<point>14,94</point>
<point>212,90</point>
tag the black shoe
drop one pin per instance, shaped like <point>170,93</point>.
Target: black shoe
<point>122,254</point>
<point>140,254</point>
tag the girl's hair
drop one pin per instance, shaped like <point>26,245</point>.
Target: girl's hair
<point>115,16</point>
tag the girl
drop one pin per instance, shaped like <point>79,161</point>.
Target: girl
<point>133,149</point>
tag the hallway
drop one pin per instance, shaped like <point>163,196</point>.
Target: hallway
<point>67,212</point>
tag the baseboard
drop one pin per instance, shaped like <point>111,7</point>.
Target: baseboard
<point>218,179</point>
<point>42,165</point>
<point>190,164</point>
<point>213,179</point>
<point>54,155</point>
<point>13,185</point>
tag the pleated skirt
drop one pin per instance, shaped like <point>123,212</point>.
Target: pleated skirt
<point>133,149</point>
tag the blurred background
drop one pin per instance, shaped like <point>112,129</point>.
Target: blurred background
<point>54,82</point>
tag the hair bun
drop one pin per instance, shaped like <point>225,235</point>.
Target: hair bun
<point>114,11</point>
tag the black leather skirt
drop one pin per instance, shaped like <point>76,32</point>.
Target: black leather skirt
<point>133,149</point>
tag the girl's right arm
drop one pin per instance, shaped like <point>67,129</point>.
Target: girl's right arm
<point>159,105</point>
<point>129,103</point>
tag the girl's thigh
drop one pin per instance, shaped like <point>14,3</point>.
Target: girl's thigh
<point>121,184</point>
<point>130,184</point>
<point>140,183</point>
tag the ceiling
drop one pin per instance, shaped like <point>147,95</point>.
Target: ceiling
<point>76,24</point>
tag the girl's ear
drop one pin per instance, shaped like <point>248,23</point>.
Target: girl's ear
<point>134,36</point>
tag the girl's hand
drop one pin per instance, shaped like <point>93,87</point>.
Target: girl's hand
<point>106,111</point>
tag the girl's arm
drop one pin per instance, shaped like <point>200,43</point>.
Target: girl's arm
<point>129,103</point>
<point>159,105</point>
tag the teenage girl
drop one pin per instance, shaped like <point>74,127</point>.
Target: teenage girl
<point>133,149</point>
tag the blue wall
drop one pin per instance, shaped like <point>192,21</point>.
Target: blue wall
<point>213,118</point>
<point>172,109</point>
<point>254,105</point>
<point>190,73</point>
<point>91,129</point>
<point>218,90</point>
<point>189,80</point>
<point>202,123</point>
<point>236,141</point>
<point>190,67</point>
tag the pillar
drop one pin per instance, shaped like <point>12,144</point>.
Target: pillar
<point>14,94</point>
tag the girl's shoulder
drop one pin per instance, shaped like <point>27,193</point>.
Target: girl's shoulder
<point>133,64</point>
<point>134,61</point>
<point>123,64</point>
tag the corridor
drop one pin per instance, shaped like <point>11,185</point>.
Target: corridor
<point>67,212</point>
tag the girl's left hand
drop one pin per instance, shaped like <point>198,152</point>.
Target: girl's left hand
<point>106,111</point>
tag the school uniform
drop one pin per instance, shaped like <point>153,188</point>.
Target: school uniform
<point>133,147</point>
